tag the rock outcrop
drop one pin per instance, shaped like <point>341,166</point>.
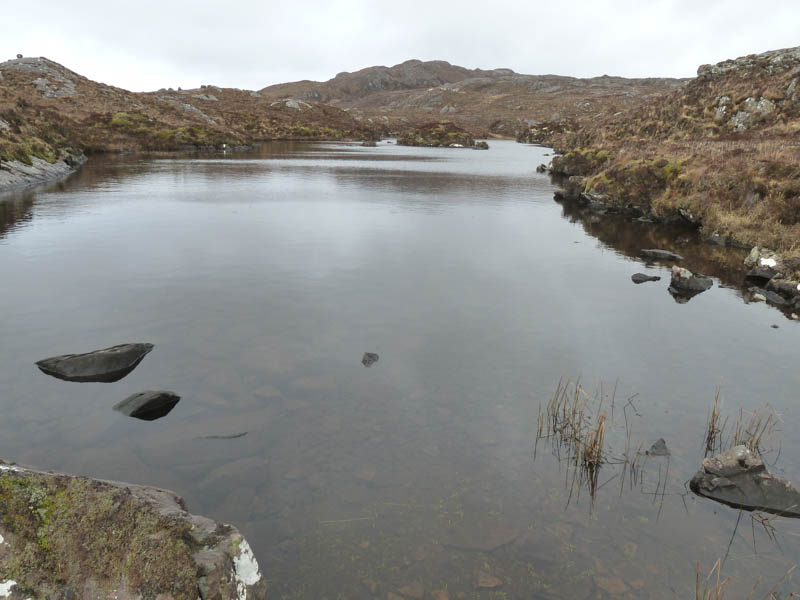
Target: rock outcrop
<point>16,174</point>
<point>63,536</point>
<point>739,478</point>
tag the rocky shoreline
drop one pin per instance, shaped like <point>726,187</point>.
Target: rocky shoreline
<point>16,175</point>
<point>764,275</point>
<point>63,536</point>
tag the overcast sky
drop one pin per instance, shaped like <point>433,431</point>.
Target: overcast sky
<point>148,44</point>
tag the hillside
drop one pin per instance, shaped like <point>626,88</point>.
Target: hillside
<point>46,110</point>
<point>722,152</point>
<point>497,101</point>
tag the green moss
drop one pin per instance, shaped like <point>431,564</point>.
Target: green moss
<point>66,530</point>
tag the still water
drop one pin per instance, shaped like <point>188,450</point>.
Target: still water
<point>262,279</point>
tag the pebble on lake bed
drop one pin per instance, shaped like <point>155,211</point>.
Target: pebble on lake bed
<point>369,359</point>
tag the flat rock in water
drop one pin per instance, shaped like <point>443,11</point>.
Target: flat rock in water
<point>369,359</point>
<point>739,479</point>
<point>661,254</point>
<point>106,365</point>
<point>148,406</point>
<point>642,278</point>
<point>479,540</point>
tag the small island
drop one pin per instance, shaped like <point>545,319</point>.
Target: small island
<point>442,134</point>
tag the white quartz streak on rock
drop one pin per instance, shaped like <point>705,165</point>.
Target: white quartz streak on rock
<point>246,567</point>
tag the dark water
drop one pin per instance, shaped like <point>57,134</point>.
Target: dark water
<point>263,278</point>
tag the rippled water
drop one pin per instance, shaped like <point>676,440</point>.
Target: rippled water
<point>262,278</point>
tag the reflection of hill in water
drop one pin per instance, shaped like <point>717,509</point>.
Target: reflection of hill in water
<point>15,211</point>
<point>628,236</point>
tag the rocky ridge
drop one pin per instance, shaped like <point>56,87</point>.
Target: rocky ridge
<point>496,101</point>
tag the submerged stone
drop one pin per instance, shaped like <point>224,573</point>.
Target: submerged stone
<point>638,278</point>
<point>739,479</point>
<point>106,365</point>
<point>369,359</point>
<point>659,448</point>
<point>149,405</point>
<point>661,254</point>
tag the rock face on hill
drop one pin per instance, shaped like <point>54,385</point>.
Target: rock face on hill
<point>70,537</point>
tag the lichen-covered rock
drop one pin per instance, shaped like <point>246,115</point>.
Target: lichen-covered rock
<point>63,536</point>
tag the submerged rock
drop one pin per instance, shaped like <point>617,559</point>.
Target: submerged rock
<point>73,537</point>
<point>106,365</point>
<point>661,254</point>
<point>659,448</point>
<point>685,285</point>
<point>638,278</point>
<point>369,359</point>
<point>148,406</point>
<point>739,479</point>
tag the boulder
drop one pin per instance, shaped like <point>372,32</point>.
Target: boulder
<point>64,536</point>
<point>685,283</point>
<point>106,365</point>
<point>148,406</point>
<point>768,296</point>
<point>787,288</point>
<point>481,145</point>
<point>642,278</point>
<point>661,254</point>
<point>762,273</point>
<point>739,479</point>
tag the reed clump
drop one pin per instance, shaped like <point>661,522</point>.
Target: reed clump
<point>756,430</point>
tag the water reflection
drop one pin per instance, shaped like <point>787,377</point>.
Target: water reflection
<point>15,211</point>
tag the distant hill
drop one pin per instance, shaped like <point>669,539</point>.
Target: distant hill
<point>46,108</point>
<point>497,101</point>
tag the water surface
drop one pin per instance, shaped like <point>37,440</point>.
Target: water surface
<point>263,278</point>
